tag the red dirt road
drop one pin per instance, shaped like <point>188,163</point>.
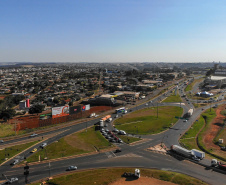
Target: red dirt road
<point>141,181</point>
<point>213,130</point>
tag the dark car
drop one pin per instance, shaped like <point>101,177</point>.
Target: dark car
<point>117,150</point>
<point>223,148</point>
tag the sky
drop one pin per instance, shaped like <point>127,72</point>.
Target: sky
<point>112,30</point>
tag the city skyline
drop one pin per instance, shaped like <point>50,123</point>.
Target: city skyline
<point>112,31</point>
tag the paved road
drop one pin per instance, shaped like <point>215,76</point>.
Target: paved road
<point>131,156</point>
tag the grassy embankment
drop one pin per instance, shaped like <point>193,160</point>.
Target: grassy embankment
<point>145,121</point>
<point>7,130</point>
<point>107,176</point>
<point>14,150</point>
<point>127,139</point>
<point>193,138</point>
<point>75,144</point>
<point>173,98</point>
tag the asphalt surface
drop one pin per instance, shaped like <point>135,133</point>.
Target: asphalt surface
<point>131,155</point>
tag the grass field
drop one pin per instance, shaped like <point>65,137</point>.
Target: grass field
<point>127,139</point>
<point>77,143</point>
<point>12,151</point>
<point>145,121</point>
<point>8,130</point>
<point>107,176</point>
<point>173,98</point>
<point>188,140</point>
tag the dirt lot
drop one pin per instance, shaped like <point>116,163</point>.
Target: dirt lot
<point>141,181</point>
<point>212,132</point>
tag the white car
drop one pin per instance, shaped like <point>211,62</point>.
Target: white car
<point>122,132</point>
<point>43,145</point>
<point>33,135</point>
<point>15,162</point>
<point>71,168</point>
<point>12,180</point>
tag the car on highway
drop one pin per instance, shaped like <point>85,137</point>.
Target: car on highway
<point>12,180</point>
<point>223,148</point>
<point>33,135</point>
<point>43,145</point>
<point>71,168</point>
<point>185,120</point>
<point>1,141</point>
<point>34,150</point>
<point>117,150</point>
<point>15,162</point>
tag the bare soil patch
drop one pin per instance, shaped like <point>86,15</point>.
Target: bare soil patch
<point>213,130</point>
<point>141,181</point>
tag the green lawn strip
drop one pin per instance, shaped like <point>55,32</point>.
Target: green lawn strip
<point>188,140</point>
<point>91,141</point>
<point>128,139</point>
<point>173,98</point>
<point>107,176</point>
<point>190,86</point>
<point>145,121</point>
<point>14,150</point>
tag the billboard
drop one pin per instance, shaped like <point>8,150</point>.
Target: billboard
<point>75,109</point>
<point>60,111</point>
<point>88,107</point>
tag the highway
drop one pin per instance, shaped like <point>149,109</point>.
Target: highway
<point>131,156</point>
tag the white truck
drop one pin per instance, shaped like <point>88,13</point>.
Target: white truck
<point>197,153</point>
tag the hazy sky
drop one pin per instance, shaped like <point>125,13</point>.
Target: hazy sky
<point>112,30</point>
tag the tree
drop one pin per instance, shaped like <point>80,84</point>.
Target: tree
<point>38,108</point>
<point>7,114</point>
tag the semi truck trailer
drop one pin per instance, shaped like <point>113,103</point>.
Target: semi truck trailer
<point>182,151</point>
<point>197,153</point>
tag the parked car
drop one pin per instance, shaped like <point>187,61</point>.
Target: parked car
<point>115,130</point>
<point>122,132</point>
<point>34,150</point>
<point>119,140</point>
<point>1,141</point>
<point>43,145</point>
<point>104,134</point>
<point>71,168</point>
<point>106,130</point>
